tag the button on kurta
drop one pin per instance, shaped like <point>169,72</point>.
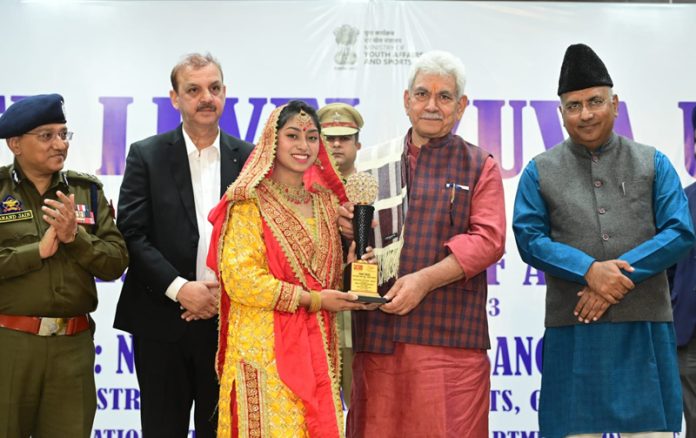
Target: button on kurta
<point>598,183</point>
<point>601,210</point>
<point>605,237</point>
<point>595,158</point>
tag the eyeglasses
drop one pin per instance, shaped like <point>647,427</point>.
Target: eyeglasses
<point>48,136</point>
<point>442,98</point>
<point>575,108</point>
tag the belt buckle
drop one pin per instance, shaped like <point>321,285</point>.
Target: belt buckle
<point>52,327</point>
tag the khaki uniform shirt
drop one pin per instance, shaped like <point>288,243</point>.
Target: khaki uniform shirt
<point>63,284</point>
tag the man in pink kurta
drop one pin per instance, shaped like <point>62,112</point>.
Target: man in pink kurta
<point>421,367</point>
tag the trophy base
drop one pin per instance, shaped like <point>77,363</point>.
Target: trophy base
<point>360,278</point>
<point>367,297</point>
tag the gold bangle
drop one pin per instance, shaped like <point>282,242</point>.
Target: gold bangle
<point>315,302</point>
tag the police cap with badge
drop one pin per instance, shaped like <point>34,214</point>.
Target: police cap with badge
<point>30,112</point>
<point>339,119</point>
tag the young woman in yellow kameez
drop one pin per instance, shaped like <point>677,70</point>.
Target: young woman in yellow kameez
<point>278,251</point>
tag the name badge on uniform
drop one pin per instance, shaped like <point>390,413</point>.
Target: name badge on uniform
<point>11,210</point>
<point>83,215</point>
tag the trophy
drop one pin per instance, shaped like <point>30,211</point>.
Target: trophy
<point>360,277</point>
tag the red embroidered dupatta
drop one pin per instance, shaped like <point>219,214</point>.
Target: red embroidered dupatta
<point>306,355</point>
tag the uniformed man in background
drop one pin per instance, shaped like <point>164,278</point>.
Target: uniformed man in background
<point>57,233</point>
<point>340,126</point>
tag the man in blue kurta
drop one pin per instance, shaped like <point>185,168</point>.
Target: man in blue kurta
<point>603,217</point>
<point>684,307</point>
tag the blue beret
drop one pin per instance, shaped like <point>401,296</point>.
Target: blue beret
<point>693,118</point>
<point>30,112</point>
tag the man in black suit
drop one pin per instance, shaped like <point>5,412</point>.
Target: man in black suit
<point>169,298</point>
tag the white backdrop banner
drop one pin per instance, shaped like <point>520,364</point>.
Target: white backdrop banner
<point>111,61</point>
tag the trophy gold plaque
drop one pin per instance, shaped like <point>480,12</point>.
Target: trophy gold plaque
<point>359,277</point>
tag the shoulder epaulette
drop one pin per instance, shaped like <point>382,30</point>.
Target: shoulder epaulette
<point>5,172</point>
<point>73,175</point>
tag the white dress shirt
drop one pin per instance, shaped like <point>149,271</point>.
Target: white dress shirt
<point>205,179</point>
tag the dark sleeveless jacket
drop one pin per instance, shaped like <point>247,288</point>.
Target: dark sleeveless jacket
<point>453,315</point>
<point>602,204</point>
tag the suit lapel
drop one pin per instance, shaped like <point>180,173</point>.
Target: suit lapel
<point>230,162</point>
<point>179,164</point>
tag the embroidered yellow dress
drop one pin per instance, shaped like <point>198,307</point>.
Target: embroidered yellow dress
<point>265,406</point>
<point>277,363</point>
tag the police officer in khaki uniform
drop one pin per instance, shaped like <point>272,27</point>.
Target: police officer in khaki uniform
<point>340,126</point>
<point>56,234</point>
